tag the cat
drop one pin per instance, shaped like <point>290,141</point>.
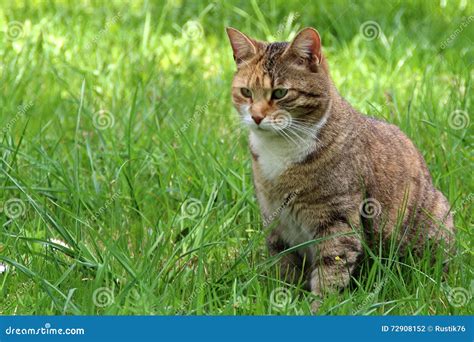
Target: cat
<point>325,173</point>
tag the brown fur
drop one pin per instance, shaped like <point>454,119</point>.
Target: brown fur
<point>353,158</point>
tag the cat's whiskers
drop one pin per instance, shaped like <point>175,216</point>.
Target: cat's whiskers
<point>296,135</point>
<point>305,121</point>
<point>308,131</point>
<point>284,134</point>
<point>306,128</point>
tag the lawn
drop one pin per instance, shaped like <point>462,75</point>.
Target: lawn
<point>125,176</point>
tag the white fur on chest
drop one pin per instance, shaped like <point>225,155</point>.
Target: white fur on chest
<point>276,155</point>
<point>294,233</point>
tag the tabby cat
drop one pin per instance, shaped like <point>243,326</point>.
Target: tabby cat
<point>324,172</point>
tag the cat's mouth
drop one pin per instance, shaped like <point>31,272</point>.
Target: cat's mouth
<point>268,124</point>
<point>275,122</point>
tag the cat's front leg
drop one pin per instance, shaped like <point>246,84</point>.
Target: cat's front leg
<point>291,265</point>
<point>337,257</point>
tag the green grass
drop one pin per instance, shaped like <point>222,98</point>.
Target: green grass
<point>158,210</point>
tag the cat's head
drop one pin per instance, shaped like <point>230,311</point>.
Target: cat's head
<point>283,86</point>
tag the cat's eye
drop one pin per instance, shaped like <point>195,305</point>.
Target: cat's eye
<point>246,92</point>
<point>279,93</point>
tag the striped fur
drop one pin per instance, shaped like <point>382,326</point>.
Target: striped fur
<point>333,158</point>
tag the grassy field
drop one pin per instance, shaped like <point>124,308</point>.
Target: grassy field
<point>125,180</point>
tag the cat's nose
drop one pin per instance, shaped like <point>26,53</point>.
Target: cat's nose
<point>257,119</point>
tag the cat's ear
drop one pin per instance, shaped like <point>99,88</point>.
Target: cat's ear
<point>307,44</point>
<point>242,46</point>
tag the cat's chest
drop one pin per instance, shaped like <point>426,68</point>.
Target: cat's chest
<point>275,156</point>
<point>292,231</point>
<point>278,190</point>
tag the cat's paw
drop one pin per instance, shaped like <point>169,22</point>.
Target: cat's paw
<point>315,305</point>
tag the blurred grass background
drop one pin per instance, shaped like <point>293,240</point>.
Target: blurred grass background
<point>131,175</point>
